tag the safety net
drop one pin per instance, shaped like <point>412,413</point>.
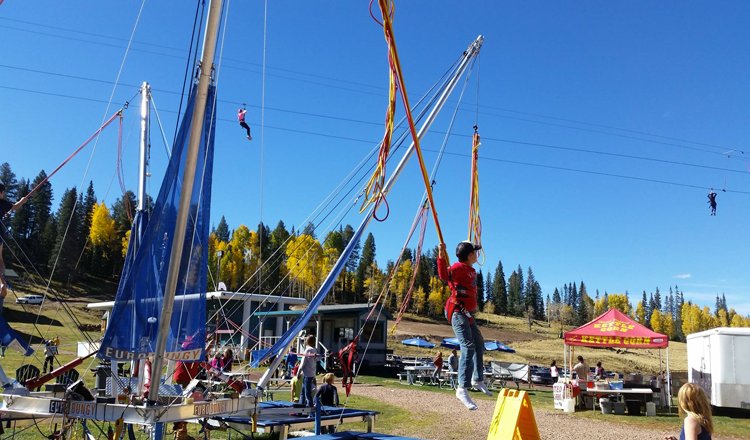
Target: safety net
<point>135,318</point>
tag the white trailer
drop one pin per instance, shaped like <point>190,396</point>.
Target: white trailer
<point>718,362</point>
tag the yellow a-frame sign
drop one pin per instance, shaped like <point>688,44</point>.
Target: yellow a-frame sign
<point>513,418</point>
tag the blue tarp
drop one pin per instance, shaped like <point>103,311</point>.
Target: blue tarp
<point>453,344</point>
<point>497,346</point>
<point>134,321</point>
<point>418,342</point>
<point>9,338</point>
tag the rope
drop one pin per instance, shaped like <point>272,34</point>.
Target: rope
<point>201,5</point>
<point>418,251</point>
<point>374,188</point>
<point>385,6</point>
<point>475,222</point>
<point>72,155</point>
<point>161,127</point>
<point>262,142</point>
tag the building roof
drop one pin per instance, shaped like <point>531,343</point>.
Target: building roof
<point>222,295</point>
<point>333,309</point>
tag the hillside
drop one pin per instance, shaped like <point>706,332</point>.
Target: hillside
<point>538,345</point>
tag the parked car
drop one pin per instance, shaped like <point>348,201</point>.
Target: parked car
<point>542,375</point>
<point>30,299</point>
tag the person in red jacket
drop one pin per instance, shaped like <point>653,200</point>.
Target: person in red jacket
<point>459,310</point>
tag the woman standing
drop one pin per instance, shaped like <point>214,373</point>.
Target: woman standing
<point>553,371</point>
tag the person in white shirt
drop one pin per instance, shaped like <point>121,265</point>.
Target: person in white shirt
<point>553,370</point>
<point>307,370</point>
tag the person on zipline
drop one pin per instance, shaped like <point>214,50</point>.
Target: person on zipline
<point>459,310</point>
<point>241,117</point>
<point>712,201</point>
<point>5,208</point>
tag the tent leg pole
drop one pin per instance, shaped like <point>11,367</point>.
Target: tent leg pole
<point>669,385</point>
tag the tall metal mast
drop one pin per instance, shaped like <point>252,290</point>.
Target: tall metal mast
<point>196,132</point>
<point>145,150</point>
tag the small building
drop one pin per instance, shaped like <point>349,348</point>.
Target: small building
<point>335,326</point>
<point>233,316</point>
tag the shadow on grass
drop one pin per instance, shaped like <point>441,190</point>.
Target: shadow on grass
<point>25,317</point>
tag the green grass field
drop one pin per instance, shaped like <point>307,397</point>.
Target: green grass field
<point>537,345</point>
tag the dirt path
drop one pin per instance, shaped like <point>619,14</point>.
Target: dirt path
<point>458,423</point>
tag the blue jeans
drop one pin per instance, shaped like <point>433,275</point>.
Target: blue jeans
<point>471,359</point>
<point>308,385</point>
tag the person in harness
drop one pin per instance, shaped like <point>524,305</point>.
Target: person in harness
<point>459,309</point>
<point>712,201</point>
<point>241,117</point>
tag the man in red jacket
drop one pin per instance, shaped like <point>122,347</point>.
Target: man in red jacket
<point>459,310</point>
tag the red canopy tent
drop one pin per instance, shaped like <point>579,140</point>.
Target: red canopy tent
<point>615,329</point>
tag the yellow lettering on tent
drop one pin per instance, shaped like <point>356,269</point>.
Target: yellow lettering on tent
<point>513,418</point>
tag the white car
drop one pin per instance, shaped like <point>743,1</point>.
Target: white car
<point>30,299</point>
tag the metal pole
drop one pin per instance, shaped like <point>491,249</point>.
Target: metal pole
<point>196,131</point>
<point>470,52</point>
<point>145,144</point>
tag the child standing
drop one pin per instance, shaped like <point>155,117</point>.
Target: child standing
<point>329,396</point>
<point>307,371</point>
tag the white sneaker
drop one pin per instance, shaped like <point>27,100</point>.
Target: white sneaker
<point>482,387</point>
<point>463,396</point>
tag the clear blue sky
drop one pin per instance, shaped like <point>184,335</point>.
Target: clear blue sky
<point>660,80</point>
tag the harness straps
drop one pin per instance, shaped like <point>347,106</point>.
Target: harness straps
<point>475,222</point>
<point>347,356</point>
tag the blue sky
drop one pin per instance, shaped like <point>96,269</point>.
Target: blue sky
<point>571,95</point>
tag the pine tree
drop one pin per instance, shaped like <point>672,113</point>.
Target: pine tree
<point>39,207</point>
<point>583,306</point>
<point>222,230</point>
<point>480,288</point>
<point>657,300</point>
<point>353,261</point>
<point>276,268</point>
<point>500,290</point>
<point>679,301</point>
<point>309,229</point>
<point>123,211</point>
<point>21,220</point>
<point>513,289</point>
<point>520,299</point>
<point>650,309</point>
<point>368,257</point>
<point>489,292</point>
<point>65,251</point>
<point>8,178</point>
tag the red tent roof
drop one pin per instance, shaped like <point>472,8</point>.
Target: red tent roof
<point>615,329</point>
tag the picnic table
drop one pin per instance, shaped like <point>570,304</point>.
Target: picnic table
<point>414,372</point>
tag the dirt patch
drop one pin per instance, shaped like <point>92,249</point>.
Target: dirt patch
<point>454,421</point>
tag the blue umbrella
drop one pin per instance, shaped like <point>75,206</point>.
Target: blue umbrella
<point>451,343</point>
<point>418,342</point>
<point>497,346</point>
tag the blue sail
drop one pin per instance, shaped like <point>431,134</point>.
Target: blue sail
<point>286,339</point>
<point>134,321</point>
<point>9,338</point>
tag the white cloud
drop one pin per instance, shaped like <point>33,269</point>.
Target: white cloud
<point>682,276</point>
